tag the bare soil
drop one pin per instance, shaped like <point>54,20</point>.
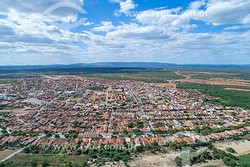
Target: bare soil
<point>241,147</point>
<point>6,153</point>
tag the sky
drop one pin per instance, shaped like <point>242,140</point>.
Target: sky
<point>38,32</point>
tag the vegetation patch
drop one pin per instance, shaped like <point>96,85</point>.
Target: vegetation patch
<point>231,98</point>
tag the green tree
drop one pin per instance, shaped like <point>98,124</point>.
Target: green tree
<point>45,164</point>
<point>69,164</point>
<point>231,150</point>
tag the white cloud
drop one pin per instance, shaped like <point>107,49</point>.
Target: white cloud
<point>168,19</point>
<point>128,42</point>
<point>220,12</point>
<point>238,27</point>
<point>26,37</point>
<point>105,26</point>
<point>126,6</point>
<point>115,1</point>
<point>153,35</point>
<point>197,4</point>
<point>88,23</point>
<point>49,10</point>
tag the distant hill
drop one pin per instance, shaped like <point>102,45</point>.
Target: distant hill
<point>128,65</point>
<point>155,65</point>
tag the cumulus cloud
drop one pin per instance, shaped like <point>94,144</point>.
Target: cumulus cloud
<point>220,12</point>
<point>40,6</point>
<point>197,4</point>
<point>115,1</point>
<point>105,26</point>
<point>127,6</point>
<point>168,18</point>
<point>27,37</point>
<point>161,34</point>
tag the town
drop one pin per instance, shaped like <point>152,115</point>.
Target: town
<point>69,110</point>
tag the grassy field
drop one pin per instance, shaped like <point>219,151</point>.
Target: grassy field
<point>6,153</point>
<point>227,97</point>
<point>244,160</point>
<point>7,81</point>
<point>28,160</point>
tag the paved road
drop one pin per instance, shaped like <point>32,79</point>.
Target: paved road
<point>139,103</point>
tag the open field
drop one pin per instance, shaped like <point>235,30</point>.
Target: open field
<point>218,81</point>
<point>20,112</point>
<point>241,147</point>
<point>17,112</point>
<point>241,90</point>
<point>150,160</point>
<point>25,160</point>
<point>6,153</point>
<point>160,160</point>
<point>217,163</point>
<point>225,75</point>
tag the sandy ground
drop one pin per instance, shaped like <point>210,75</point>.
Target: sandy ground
<point>241,147</point>
<point>17,112</point>
<point>6,153</point>
<point>20,112</point>
<point>242,90</point>
<point>218,81</point>
<point>161,160</point>
<point>218,163</point>
<point>150,160</point>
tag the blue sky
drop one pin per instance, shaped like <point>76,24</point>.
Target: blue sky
<point>82,31</point>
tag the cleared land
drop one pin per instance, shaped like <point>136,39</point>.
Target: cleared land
<point>241,147</point>
<point>17,112</point>
<point>218,81</point>
<point>6,153</point>
<point>242,90</point>
<point>160,160</point>
<point>218,163</point>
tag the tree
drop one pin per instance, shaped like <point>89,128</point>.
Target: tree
<point>130,125</point>
<point>69,164</point>
<point>139,149</point>
<point>178,161</point>
<point>85,163</point>
<point>45,164</point>
<point>57,136</point>
<point>125,131</point>
<point>116,157</point>
<point>26,150</point>
<point>2,164</point>
<point>230,162</point>
<point>231,150</point>
<point>77,152</point>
